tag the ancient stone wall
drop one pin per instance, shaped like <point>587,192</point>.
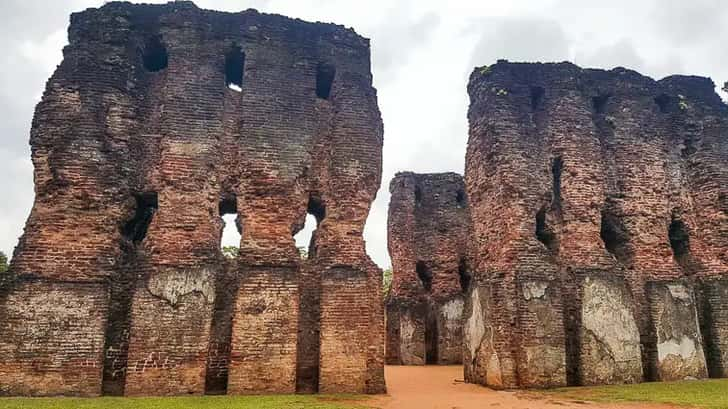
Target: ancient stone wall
<point>428,237</point>
<point>159,120</point>
<point>599,203</point>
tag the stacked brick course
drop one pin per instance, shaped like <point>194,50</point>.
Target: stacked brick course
<point>599,204</point>
<point>139,147</point>
<point>428,237</point>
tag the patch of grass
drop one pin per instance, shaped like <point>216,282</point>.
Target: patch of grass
<point>709,393</point>
<point>196,402</point>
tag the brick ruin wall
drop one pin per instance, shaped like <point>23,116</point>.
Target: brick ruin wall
<point>118,285</point>
<point>599,203</point>
<point>428,235</point>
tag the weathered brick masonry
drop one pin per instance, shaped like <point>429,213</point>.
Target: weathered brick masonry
<point>428,237</point>
<point>599,204</point>
<point>139,145</point>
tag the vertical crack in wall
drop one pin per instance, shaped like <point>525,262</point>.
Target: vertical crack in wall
<point>705,296</point>
<point>432,339</point>
<point>227,284</point>
<point>123,284</point>
<point>309,343</point>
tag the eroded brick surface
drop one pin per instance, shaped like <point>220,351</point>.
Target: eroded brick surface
<point>428,238</point>
<point>593,184</point>
<point>139,147</point>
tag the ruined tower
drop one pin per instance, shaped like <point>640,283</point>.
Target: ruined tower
<point>160,119</point>
<point>599,203</point>
<point>428,236</point>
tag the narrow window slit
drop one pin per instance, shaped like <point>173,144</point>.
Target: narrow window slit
<point>305,236</point>
<point>424,274</point>
<point>418,195</point>
<point>614,236</point>
<point>154,54</point>
<point>599,103</point>
<point>460,198</point>
<point>135,230</point>
<point>537,94</point>
<point>232,230</point>
<point>544,233</point>
<point>465,276</point>
<point>664,102</point>
<point>324,80</point>
<point>679,242</point>
<point>234,68</point>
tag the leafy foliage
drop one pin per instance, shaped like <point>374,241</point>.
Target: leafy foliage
<point>484,70</point>
<point>230,251</point>
<point>386,281</point>
<point>3,262</point>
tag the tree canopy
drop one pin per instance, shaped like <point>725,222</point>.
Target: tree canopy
<point>3,262</point>
<point>386,281</point>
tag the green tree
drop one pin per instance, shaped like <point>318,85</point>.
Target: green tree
<point>386,281</point>
<point>303,252</point>
<point>230,251</point>
<point>3,262</point>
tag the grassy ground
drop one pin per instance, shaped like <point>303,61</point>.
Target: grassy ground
<point>202,402</point>
<point>711,394</point>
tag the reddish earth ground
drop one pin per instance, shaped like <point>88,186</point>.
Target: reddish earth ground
<point>442,387</point>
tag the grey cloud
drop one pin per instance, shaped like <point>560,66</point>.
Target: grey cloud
<point>395,37</point>
<point>687,22</point>
<point>619,54</point>
<point>519,40</point>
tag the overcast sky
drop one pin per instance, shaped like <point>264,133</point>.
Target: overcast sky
<point>422,54</point>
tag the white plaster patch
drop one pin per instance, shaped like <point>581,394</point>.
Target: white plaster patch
<point>452,312</point>
<point>685,349</point>
<point>474,327</point>
<point>494,376</point>
<point>545,359</point>
<point>172,285</point>
<point>406,329</point>
<point>606,315</point>
<point>186,148</point>
<point>679,292</point>
<point>408,346</point>
<point>534,289</point>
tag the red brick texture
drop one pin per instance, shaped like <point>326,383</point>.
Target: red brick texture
<point>599,210</point>
<point>428,237</point>
<point>139,147</point>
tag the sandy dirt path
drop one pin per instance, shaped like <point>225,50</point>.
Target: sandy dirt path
<point>441,387</point>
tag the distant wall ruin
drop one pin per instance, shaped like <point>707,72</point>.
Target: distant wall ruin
<point>428,236</point>
<point>599,204</point>
<point>159,120</point>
